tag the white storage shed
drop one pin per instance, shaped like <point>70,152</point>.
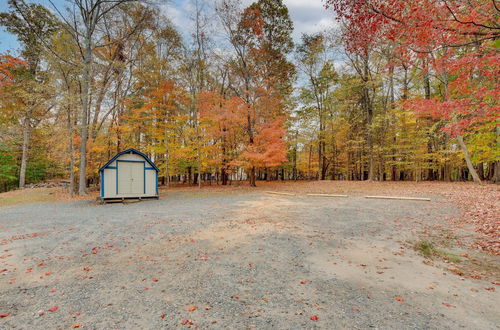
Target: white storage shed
<point>129,175</point>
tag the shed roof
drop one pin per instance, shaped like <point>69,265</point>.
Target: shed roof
<point>131,150</point>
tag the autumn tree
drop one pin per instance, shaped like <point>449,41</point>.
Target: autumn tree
<point>455,38</point>
<point>316,66</point>
<point>83,22</point>
<point>33,25</point>
<point>261,37</point>
<point>160,118</point>
<point>222,121</point>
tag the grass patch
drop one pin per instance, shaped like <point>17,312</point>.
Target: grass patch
<point>429,250</point>
<point>40,195</point>
<point>478,266</point>
<point>449,256</point>
<point>26,196</point>
<point>425,248</point>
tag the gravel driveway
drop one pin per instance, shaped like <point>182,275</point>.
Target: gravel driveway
<point>238,260</point>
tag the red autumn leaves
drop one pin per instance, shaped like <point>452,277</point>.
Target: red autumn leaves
<point>53,309</point>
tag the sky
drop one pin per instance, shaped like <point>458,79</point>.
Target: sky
<point>308,16</point>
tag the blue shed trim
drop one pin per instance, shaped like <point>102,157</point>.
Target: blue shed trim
<point>102,182</point>
<point>129,151</point>
<point>144,176</point>
<point>117,178</point>
<point>156,183</point>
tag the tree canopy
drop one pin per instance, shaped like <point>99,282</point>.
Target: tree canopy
<point>397,90</point>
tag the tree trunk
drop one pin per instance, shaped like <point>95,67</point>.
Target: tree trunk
<point>496,164</point>
<point>71,154</point>
<point>198,153</point>
<point>82,184</point>
<point>427,82</point>
<point>294,171</point>
<point>167,160</point>
<point>468,160</point>
<point>24,156</point>
<point>252,177</point>
<point>369,117</point>
<point>223,175</point>
<point>480,170</point>
<point>496,172</point>
<point>309,162</point>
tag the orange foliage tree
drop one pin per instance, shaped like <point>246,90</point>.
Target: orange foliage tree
<point>155,124</point>
<point>222,121</point>
<point>7,64</point>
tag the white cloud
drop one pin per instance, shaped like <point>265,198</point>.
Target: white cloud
<point>309,16</point>
<point>305,3</point>
<point>175,14</point>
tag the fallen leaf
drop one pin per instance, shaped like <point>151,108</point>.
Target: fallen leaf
<point>303,282</point>
<point>76,325</point>
<point>4,315</point>
<point>87,268</point>
<point>314,318</point>
<point>448,305</point>
<point>154,279</point>
<point>53,309</point>
<point>53,290</point>
<point>162,316</point>
<point>187,322</point>
<point>192,308</point>
<point>399,299</point>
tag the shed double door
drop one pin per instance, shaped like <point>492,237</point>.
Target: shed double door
<point>130,178</point>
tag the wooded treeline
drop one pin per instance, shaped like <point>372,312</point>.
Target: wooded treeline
<point>231,96</point>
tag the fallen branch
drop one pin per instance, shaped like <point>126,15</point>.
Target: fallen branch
<point>326,195</point>
<point>279,193</point>
<point>400,198</point>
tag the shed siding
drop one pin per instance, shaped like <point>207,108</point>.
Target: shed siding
<point>109,182</point>
<point>151,182</point>
<point>131,157</point>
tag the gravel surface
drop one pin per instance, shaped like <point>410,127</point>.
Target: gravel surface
<point>238,260</point>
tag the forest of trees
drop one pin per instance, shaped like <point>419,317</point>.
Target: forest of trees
<point>395,90</point>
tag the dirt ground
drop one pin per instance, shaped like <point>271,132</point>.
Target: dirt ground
<point>240,258</point>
